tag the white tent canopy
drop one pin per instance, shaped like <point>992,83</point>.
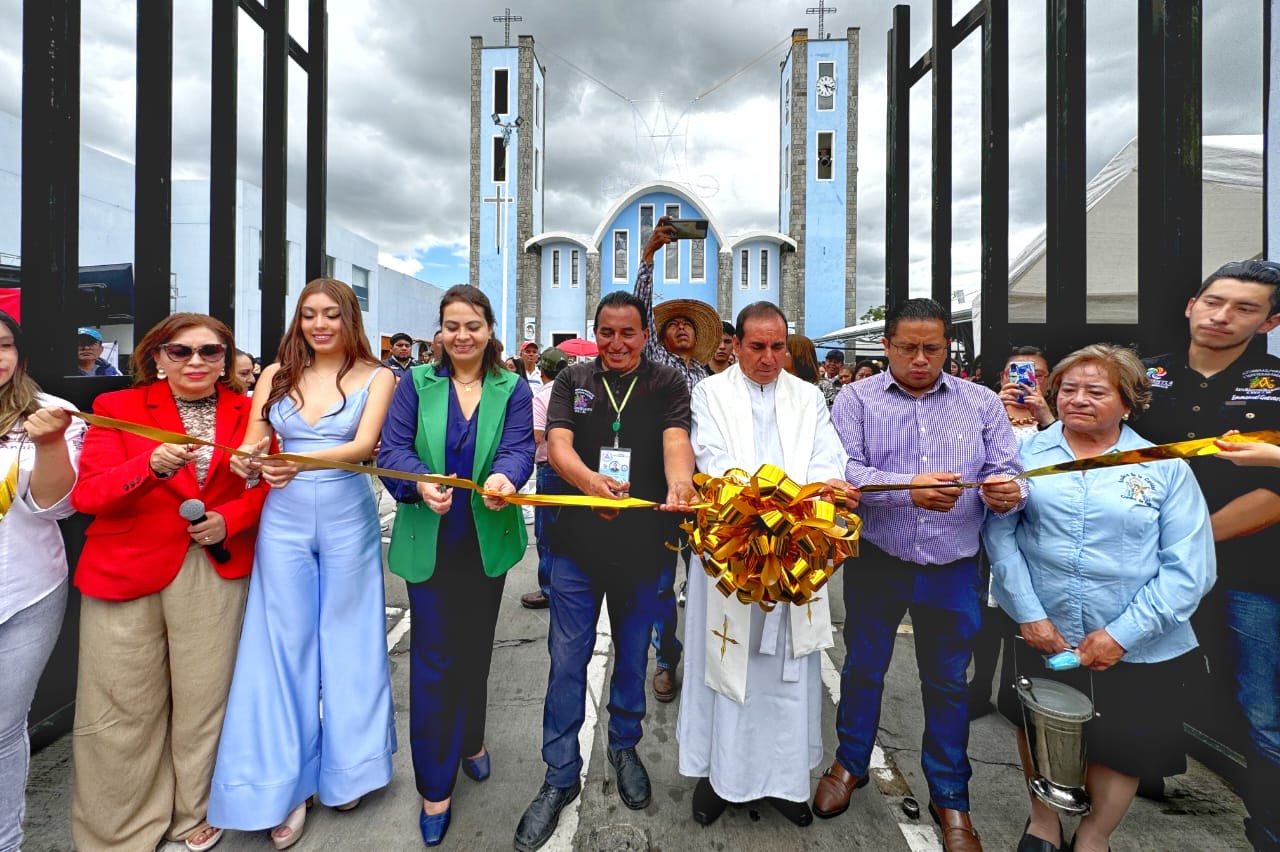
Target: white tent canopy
<point>1232,220</point>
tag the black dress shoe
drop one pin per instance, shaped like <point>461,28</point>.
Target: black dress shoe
<point>707,804</point>
<point>540,818</point>
<point>797,812</point>
<point>1030,843</point>
<point>633,780</point>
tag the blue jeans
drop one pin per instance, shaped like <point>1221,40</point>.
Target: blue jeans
<point>666,645</point>
<point>576,593</point>
<point>542,528</point>
<point>945,615</point>
<point>1254,622</point>
<point>26,641</point>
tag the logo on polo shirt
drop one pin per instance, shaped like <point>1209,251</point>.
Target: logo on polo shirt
<point>583,401</point>
<point>1156,375</point>
<point>1259,385</point>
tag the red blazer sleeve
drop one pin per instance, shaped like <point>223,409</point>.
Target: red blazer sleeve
<point>115,468</point>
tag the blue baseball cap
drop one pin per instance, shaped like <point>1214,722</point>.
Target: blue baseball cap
<point>89,332</point>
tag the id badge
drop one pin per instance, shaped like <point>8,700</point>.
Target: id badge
<point>615,463</point>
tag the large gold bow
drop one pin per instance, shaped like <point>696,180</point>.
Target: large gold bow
<point>767,539</point>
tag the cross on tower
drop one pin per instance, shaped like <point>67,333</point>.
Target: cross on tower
<point>498,201</point>
<point>820,10</point>
<point>505,20</point>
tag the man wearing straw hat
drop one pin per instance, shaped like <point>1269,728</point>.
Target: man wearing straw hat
<point>683,334</point>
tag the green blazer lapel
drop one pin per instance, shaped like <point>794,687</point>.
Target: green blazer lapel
<point>492,412</point>
<point>433,414</point>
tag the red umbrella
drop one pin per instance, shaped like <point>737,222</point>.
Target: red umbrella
<point>578,346</point>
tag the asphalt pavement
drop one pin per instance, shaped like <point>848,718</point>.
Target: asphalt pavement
<point>1199,812</point>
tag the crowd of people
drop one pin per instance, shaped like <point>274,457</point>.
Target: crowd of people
<point>223,593</point>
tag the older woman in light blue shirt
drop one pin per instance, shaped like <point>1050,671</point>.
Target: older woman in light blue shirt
<point>1111,563</point>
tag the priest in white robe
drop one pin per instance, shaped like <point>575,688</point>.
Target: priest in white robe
<point>750,723</point>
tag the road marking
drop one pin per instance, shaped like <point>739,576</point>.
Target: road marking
<point>397,633</point>
<point>889,781</point>
<point>562,839</point>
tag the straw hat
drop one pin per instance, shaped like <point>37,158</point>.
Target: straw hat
<point>706,324</point>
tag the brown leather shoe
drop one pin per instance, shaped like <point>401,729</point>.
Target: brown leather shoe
<point>534,600</point>
<point>958,834</point>
<point>664,686</point>
<point>834,789</point>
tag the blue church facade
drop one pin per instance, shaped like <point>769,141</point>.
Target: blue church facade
<point>545,284</point>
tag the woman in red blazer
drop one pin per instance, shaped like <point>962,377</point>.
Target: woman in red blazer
<point>163,596</point>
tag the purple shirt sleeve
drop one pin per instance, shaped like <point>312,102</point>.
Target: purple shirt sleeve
<point>398,434</point>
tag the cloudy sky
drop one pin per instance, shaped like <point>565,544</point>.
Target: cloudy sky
<point>619,76</point>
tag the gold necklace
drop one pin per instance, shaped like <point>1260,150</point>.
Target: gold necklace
<point>1022,421</point>
<point>468,385</point>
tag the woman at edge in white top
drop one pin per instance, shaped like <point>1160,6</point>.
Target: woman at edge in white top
<point>41,440</point>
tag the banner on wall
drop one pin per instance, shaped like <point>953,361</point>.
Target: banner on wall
<point>530,328</point>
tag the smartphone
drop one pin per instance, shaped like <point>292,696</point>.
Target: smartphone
<point>1022,373</point>
<point>689,229</point>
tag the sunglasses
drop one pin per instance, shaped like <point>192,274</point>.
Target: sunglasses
<point>183,352</point>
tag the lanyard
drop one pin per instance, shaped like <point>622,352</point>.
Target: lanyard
<point>617,409</point>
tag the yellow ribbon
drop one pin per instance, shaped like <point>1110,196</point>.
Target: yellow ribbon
<point>767,539</point>
<point>762,537</point>
<point>167,437</point>
<point>1161,452</point>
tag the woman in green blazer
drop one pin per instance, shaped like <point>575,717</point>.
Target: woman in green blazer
<point>464,416</point>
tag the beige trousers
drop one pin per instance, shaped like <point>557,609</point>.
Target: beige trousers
<point>150,697</point>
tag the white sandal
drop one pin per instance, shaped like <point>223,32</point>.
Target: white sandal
<point>295,823</point>
<point>208,843</point>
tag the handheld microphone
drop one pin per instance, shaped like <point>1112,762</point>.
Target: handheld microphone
<point>193,511</point>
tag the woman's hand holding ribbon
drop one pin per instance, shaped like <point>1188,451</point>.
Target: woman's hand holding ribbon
<point>250,467</point>
<point>497,483</point>
<point>47,425</point>
<point>168,459</point>
<point>439,498</point>
<point>278,473</point>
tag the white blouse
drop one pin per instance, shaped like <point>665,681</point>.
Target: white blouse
<point>33,560</point>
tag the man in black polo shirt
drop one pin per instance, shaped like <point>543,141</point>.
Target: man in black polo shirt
<point>617,426</point>
<point>1221,382</point>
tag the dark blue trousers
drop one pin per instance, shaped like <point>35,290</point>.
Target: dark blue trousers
<point>452,616</point>
<point>945,615</point>
<point>576,593</point>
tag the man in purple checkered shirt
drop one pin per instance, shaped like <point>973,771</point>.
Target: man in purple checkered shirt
<point>916,424</point>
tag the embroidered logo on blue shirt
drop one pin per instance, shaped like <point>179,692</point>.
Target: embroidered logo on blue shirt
<point>583,400</point>
<point>1137,488</point>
